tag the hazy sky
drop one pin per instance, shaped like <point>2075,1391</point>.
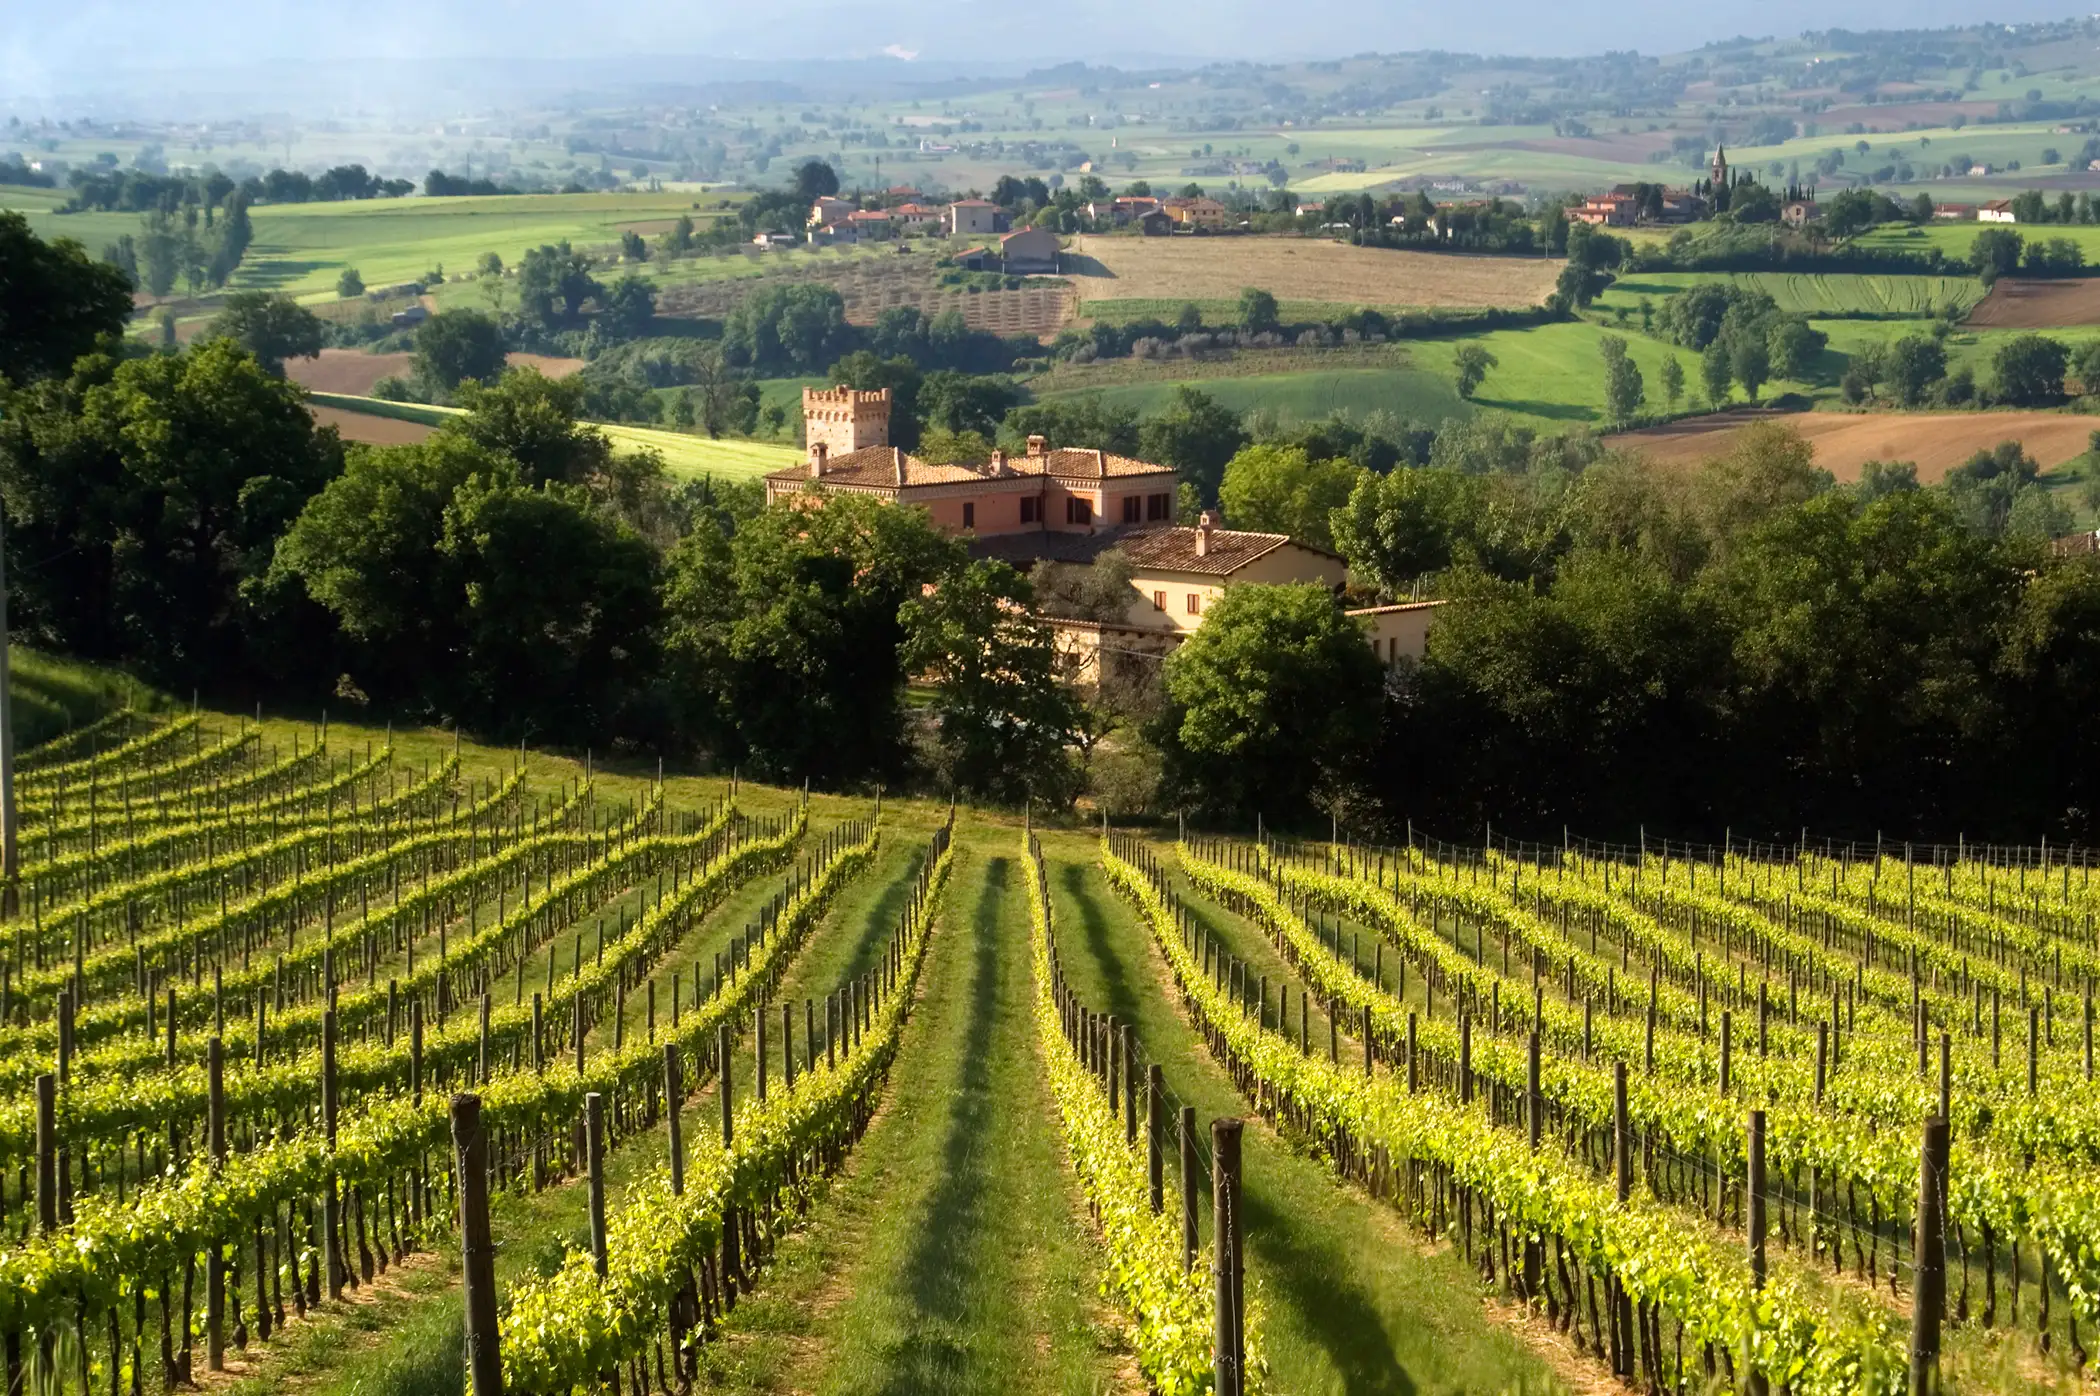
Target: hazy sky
<point>49,47</point>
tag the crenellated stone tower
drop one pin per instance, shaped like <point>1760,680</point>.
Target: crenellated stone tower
<point>845,419</point>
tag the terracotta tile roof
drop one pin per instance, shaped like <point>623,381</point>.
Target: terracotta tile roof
<point>1072,463</point>
<point>882,466</point>
<point>878,466</point>
<point>1174,549</point>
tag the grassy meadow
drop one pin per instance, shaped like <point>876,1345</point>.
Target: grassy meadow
<point>302,249</point>
<point>688,456</point>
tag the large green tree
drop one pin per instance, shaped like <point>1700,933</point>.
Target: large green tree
<point>1194,433</point>
<point>144,498</point>
<point>1279,489</point>
<point>1270,706</point>
<point>1004,726</point>
<point>56,303</point>
<point>271,326</point>
<point>783,642</point>
<point>456,346</point>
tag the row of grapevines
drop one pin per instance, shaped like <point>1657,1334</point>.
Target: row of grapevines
<point>109,1105</point>
<point>53,886</point>
<point>1172,1311</point>
<point>1664,1260</point>
<point>59,749</point>
<point>1860,1136</point>
<point>38,774</point>
<point>132,787</point>
<point>193,940</point>
<point>564,1332</point>
<point>119,1248</point>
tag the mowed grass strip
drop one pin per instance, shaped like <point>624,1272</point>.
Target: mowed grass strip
<point>950,1256</point>
<point>1355,1302</point>
<point>688,456</point>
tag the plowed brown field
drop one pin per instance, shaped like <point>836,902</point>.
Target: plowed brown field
<point>1302,269</point>
<point>354,372</point>
<point>1935,442</point>
<point>2039,305</point>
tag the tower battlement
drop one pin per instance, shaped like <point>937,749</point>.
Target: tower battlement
<point>846,419</point>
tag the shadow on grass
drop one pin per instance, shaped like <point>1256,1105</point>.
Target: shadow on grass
<point>941,1274</point>
<point>1306,1275</point>
<point>881,919</point>
<point>1119,993</point>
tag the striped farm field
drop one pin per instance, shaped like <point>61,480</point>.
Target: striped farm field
<point>1815,294</point>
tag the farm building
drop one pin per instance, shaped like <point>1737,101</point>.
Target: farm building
<point>1047,491</point>
<point>1997,211</point>
<point>1610,210</point>
<point>975,218</point>
<point>1029,252</point>
<point>1202,214</point>
<point>1156,224</point>
<point>1177,575</point>
<point>826,211</point>
<point>1801,213</point>
<point>1954,212</point>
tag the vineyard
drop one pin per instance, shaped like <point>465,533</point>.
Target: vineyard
<point>326,1046</point>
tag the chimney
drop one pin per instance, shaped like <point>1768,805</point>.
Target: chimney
<point>897,463</point>
<point>818,453</point>
<point>1204,527</point>
<point>1037,446</point>
<point>999,461</point>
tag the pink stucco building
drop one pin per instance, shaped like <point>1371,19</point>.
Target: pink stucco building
<point>1043,491</point>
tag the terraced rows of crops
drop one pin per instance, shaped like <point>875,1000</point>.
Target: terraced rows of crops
<point>780,1093</point>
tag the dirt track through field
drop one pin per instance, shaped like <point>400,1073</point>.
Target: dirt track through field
<point>354,372</point>
<point>2039,305</point>
<point>1844,441</point>
<point>370,430</point>
<point>1305,269</point>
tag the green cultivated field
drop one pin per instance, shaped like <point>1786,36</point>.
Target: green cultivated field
<point>1305,396</point>
<point>303,248</point>
<point>1815,294</point>
<point>684,455</point>
<point>1954,239</point>
<point>1553,375</point>
<point>94,231</point>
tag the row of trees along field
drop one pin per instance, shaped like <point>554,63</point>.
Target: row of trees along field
<point>1620,641</point>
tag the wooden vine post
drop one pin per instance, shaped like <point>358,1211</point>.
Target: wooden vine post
<point>594,1165</point>
<point>1190,1193</point>
<point>1228,1350</point>
<point>477,1248</point>
<point>1754,1214</point>
<point>331,1198</point>
<point>1929,1247</point>
<point>215,1261</point>
<point>1155,1143</point>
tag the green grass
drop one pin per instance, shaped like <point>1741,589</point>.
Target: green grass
<point>690,456</point>
<point>50,695</point>
<point>303,248</point>
<point>1354,1301</point>
<point>1954,239</point>
<point>1552,376</point>
<point>1810,293</point>
<point>94,231</point>
<point>950,1256</point>
<point>1303,396</point>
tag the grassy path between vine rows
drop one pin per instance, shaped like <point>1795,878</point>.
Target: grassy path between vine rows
<point>400,1336</point>
<point>1354,1302</point>
<point>953,1254</point>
